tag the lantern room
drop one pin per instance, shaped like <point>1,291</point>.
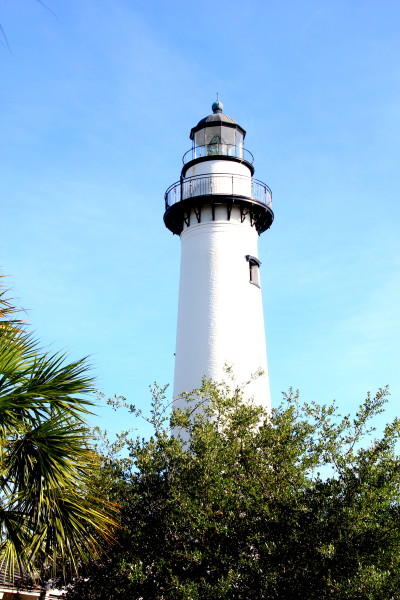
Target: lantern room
<point>217,135</point>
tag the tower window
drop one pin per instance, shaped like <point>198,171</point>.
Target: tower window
<point>254,267</point>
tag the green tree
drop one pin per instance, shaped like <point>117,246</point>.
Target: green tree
<point>300,504</point>
<point>51,519</point>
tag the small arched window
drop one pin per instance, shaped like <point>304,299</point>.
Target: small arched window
<point>254,267</point>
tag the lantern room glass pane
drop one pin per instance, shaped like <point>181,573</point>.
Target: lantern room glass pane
<point>213,141</point>
<point>228,135</point>
<point>239,144</point>
<point>213,135</point>
<point>199,138</point>
<point>239,138</point>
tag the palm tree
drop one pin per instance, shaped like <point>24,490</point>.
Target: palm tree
<point>51,519</point>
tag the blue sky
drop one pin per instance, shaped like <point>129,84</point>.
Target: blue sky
<point>97,101</point>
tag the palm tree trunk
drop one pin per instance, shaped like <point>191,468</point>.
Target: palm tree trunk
<point>43,593</point>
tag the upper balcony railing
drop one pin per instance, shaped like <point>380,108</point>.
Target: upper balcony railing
<point>219,149</point>
<point>218,184</point>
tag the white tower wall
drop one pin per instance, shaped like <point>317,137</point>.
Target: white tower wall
<point>220,315</point>
<point>229,177</point>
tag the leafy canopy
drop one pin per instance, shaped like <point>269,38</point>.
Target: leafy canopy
<point>302,503</point>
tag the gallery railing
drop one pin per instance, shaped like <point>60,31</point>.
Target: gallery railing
<point>225,184</point>
<point>218,149</point>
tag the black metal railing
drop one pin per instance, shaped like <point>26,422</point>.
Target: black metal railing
<point>223,184</point>
<point>219,149</point>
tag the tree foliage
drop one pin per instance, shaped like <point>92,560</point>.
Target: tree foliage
<point>302,503</point>
<point>51,519</point>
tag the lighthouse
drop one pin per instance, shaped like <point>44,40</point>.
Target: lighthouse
<point>219,211</point>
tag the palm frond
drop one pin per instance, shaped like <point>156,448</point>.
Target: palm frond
<point>49,513</point>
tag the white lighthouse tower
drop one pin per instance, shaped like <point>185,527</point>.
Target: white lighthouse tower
<point>219,211</point>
